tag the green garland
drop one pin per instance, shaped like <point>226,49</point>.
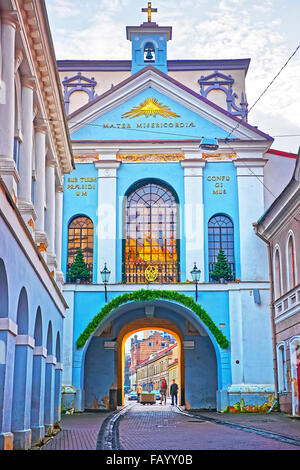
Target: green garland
<point>145,295</point>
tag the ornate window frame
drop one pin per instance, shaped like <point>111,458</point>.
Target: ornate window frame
<point>133,188</point>
<point>231,260</point>
<point>281,368</point>
<point>294,343</point>
<point>278,284</point>
<point>294,273</point>
<point>219,81</point>
<point>78,83</point>
<point>88,263</point>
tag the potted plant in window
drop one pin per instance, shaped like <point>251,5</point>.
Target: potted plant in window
<point>222,270</point>
<point>78,271</point>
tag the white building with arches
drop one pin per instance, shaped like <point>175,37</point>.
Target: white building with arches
<point>35,153</point>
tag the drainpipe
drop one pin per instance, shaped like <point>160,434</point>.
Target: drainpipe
<point>271,308</point>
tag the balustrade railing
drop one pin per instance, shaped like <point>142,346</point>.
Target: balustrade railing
<point>143,273</point>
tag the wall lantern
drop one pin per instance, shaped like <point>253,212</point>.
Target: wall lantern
<point>209,144</point>
<point>105,273</point>
<point>196,273</point>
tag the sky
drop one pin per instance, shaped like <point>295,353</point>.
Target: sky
<point>265,31</point>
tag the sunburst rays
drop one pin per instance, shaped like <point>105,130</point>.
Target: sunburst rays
<point>150,107</point>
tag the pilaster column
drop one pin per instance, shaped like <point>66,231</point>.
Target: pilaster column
<point>253,252</point>
<point>21,399</point>
<point>107,219</point>
<point>39,187</point>
<point>8,333</point>
<point>193,215</point>
<point>58,231</point>
<point>8,170</point>
<point>25,165</point>
<point>38,390</point>
<point>49,393</point>
<point>50,214</point>
<point>57,391</point>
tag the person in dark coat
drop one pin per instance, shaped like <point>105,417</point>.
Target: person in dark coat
<point>174,391</point>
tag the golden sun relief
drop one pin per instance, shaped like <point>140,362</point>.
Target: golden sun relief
<point>150,107</point>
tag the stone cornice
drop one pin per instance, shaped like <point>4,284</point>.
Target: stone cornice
<point>28,82</point>
<point>41,58</point>
<point>40,128</point>
<point>11,18</point>
<point>23,237</point>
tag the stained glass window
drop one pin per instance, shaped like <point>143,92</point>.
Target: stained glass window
<point>81,235</point>
<point>220,236</point>
<point>151,239</point>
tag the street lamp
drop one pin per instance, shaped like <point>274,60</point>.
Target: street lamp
<point>105,273</point>
<point>196,277</point>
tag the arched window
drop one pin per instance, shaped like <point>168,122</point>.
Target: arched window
<point>220,237</point>
<point>151,251</point>
<point>81,235</point>
<point>277,274</point>
<point>291,275</point>
<point>149,52</point>
<point>281,361</point>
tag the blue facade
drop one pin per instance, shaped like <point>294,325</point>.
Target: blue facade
<point>151,123</point>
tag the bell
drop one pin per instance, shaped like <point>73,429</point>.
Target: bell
<point>149,55</point>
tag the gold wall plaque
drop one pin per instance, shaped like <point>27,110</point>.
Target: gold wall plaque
<point>86,158</point>
<point>151,157</point>
<point>151,273</point>
<point>219,156</point>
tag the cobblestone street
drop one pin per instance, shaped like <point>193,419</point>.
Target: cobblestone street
<point>160,428</point>
<point>164,427</point>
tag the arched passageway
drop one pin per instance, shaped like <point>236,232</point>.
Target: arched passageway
<point>140,325</point>
<point>103,359</point>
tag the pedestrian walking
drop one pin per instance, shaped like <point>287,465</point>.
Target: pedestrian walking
<point>174,391</point>
<point>139,392</point>
<point>163,391</point>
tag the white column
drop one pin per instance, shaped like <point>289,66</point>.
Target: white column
<point>25,166</point>
<point>236,336</point>
<point>194,215</point>
<point>39,187</point>
<point>107,217</point>
<point>8,170</point>
<point>50,213</point>
<point>58,231</point>
<point>253,251</point>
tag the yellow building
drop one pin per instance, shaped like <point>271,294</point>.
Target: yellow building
<point>163,364</point>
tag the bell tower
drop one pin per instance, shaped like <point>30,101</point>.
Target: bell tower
<point>149,43</point>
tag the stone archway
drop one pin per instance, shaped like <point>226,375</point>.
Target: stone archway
<point>140,325</point>
<point>202,371</point>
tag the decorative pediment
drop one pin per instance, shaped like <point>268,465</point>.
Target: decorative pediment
<point>78,83</point>
<point>151,105</point>
<point>219,81</point>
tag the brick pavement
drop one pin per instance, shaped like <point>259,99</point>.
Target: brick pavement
<point>78,432</point>
<point>279,423</point>
<point>159,428</point>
